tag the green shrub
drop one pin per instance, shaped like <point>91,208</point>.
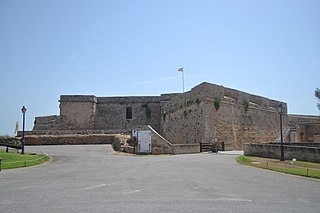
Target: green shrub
<point>217,102</point>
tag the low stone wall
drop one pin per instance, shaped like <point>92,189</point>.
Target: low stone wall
<point>72,139</point>
<point>186,148</point>
<point>71,132</point>
<point>303,153</point>
<point>12,142</point>
<point>159,145</point>
<point>307,144</point>
<point>162,146</point>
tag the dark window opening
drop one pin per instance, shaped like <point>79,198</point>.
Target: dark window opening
<point>129,113</point>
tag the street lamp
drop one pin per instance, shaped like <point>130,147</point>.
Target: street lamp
<point>280,110</point>
<point>23,110</point>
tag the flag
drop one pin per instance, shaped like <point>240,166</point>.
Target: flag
<point>17,128</point>
<point>180,69</point>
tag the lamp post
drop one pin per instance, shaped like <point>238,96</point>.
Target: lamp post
<point>23,110</point>
<point>280,110</point>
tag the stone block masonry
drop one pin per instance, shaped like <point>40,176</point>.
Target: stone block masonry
<point>299,152</point>
<point>90,112</point>
<point>77,112</point>
<point>47,123</point>
<point>191,117</point>
<point>73,139</point>
<point>205,114</point>
<point>304,128</point>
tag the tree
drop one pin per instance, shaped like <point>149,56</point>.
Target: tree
<point>317,94</point>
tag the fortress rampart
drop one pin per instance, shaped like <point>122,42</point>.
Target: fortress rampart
<point>182,118</point>
<point>125,113</point>
<point>191,117</point>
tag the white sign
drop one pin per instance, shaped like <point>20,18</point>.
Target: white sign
<point>135,133</point>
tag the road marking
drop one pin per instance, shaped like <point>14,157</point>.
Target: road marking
<point>131,192</point>
<point>92,187</point>
<point>232,199</point>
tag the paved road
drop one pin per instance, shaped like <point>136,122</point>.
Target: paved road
<point>96,179</point>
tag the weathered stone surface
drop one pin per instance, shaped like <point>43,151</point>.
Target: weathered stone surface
<point>72,139</point>
<point>47,123</point>
<point>185,118</point>
<point>304,128</point>
<point>192,118</point>
<point>302,153</point>
<point>77,112</point>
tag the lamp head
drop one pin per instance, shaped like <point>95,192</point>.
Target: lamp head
<point>24,110</point>
<point>280,108</point>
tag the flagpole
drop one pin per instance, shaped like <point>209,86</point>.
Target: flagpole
<point>181,70</point>
<point>182,81</point>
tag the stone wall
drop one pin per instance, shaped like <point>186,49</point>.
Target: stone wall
<point>108,113</point>
<point>312,144</point>
<point>185,118</point>
<point>159,145</point>
<point>304,128</point>
<point>13,142</point>
<point>112,112</point>
<point>313,132</point>
<point>77,112</point>
<point>47,123</point>
<point>186,148</point>
<point>242,117</point>
<point>191,117</point>
<point>74,132</point>
<point>182,119</point>
<point>302,153</point>
<point>302,119</point>
<point>71,139</point>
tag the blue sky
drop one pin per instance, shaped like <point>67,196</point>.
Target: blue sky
<point>134,47</point>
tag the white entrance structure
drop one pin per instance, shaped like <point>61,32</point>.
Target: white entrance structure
<point>144,141</point>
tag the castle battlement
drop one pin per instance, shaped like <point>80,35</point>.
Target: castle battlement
<point>182,118</point>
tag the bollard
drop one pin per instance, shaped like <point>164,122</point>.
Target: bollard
<point>0,164</point>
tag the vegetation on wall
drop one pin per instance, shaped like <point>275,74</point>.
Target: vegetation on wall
<point>164,115</point>
<point>246,105</point>
<point>217,103</point>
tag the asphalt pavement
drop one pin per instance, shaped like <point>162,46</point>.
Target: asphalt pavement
<point>94,178</point>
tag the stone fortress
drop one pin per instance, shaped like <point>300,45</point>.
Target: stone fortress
<point>207,113</point>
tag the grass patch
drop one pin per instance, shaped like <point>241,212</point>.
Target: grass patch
<point>12,159</point>
<point>243,160</point>
<point>301,168</point>
<point>308,164</point>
